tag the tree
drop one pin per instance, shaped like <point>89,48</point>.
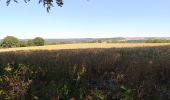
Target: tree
<point>30,43</point>
<point>46,3</point>
<point>10,41</point>
<point>23,43</point>
<point>38,41</point>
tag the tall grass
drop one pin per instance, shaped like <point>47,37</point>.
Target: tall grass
<point>143,73</point>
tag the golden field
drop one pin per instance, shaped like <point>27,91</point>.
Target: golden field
<point>86,45</point>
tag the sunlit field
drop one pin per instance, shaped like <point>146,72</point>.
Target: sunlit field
<point>86,45</point>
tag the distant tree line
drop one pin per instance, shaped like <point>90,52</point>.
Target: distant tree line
<point>158,41</point>
<point>11,42</point>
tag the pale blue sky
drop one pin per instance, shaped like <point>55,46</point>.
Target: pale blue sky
<point>87,19</point>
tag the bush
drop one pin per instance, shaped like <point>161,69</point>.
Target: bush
<point>9,42</point>
<point>38,41</point>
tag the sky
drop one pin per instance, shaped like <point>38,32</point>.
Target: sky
<point>86,19</point>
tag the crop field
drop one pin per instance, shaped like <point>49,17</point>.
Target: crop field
<point>90,71</point>
<point>86,45</point>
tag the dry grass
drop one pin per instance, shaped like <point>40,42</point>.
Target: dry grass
<point>86,45</point>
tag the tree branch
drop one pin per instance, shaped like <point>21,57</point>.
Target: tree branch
<point>46,3</point>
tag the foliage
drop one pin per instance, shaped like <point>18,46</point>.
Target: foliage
<point>14,82</point>
<point>9,42</point>
<point>12,42</point>
<point>23,43</point>
<point>127,93</point>
<point>158,41</point>
<point>57,43</point>
<point>30,43</point>
<point>51,43</point>
<point>25,82</point>
<point>46,3</point>
<point>74,86</point>
<point>98,95</point>
<point>38,41</point>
